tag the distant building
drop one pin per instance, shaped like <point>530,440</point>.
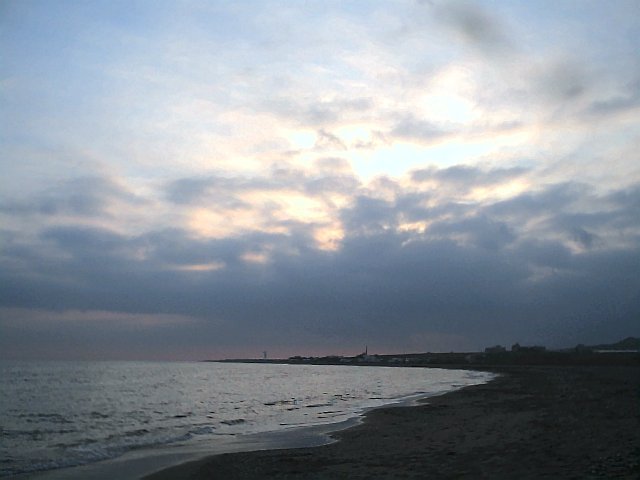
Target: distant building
<point>365,357</point>
<point>516,347</point>
<point>496,349</point>
<point>581,348</point>
<point>398,360</point>
<point>368,358</point>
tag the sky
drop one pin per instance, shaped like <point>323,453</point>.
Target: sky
<point>195,179</point>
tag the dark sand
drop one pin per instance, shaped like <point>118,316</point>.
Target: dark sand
<point>533,422</point>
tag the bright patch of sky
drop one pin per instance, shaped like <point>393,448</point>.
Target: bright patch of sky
<point>156,90</point>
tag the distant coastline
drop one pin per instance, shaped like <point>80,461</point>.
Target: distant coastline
<point>624,352</point>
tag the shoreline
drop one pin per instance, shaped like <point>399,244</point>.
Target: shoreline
<point>137,463</point>
<point>528,422</point>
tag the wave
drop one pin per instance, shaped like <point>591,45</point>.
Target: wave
<point>57,425</point>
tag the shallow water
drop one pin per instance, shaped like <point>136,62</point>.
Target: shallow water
<point>62,414</point>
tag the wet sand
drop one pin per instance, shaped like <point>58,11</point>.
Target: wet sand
<point>530,423</point>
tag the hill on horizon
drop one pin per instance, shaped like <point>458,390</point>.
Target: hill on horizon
<point>629,343</point>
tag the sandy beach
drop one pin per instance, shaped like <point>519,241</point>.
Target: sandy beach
<point>531,422</point>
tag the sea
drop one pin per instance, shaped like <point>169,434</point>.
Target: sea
<point>58,415</point>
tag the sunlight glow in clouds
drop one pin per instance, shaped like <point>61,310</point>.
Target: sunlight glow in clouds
<point>346,172</point>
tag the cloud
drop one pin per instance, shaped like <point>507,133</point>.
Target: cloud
<point>510,267</point>
<point>478,231</point>
<point>314,112</point>
<point>544,202</point>
<point>29,318</point>
<point>91,334</point>
<point>282,201</point>
<point>563,80</point>
<point>467,176</point>
<point>626,99</point>
<point>82,196</point>
<point>475,26</point>
<point>328,174</point>
<point>196,190</point>
<point>312,180</point>
<point>541,69</point>
<point>420,130</point>
<point>327,140</point>
<point>412,259</point>
<point>369,215</point>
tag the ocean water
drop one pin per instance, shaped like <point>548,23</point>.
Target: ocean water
<point>62,414</point>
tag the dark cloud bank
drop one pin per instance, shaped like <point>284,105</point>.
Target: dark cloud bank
<point>557,266</point>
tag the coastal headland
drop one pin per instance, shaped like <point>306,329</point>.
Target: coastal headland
<point>532,421</point>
